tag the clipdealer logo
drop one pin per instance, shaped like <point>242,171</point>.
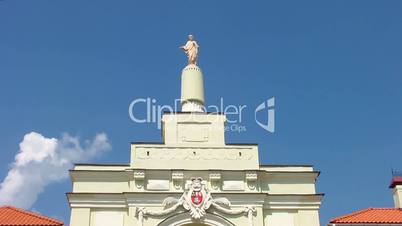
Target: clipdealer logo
<point>268,106</point>
<point>148,110</point>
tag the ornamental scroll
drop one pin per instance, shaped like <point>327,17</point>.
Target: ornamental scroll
<point>196,200</point>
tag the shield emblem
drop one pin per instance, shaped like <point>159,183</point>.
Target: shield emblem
<point>196,197</point>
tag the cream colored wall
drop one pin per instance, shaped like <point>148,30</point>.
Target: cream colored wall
<point>397,194</point>
<point>307,218</point>
<point>91,180</point>
<point>292,217</point>
<point>80,217</point>
<point>193,129</point>
<point>282,195</point>
<point>284,182</point>
<point>292,183</point>
<point>97,180</point>
<point>281,218</point>
<point>287,188</point>
<point>107,217</point>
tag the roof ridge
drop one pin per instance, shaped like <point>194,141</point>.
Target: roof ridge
<point>385,208</point>
<point>365,215</point>
<point>33,214</point>
<point>351,214</point>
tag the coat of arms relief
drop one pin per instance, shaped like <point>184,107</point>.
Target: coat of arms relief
<point>196,199</point>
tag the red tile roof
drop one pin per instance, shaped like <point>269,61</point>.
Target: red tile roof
<point>371,216</point>
<point>11,216</point>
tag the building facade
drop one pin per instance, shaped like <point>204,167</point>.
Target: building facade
<point>194,178</point>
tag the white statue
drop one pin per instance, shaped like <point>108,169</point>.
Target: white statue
<point>191,49</point>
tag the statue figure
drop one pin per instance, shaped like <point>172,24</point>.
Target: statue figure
<point>191,49</point>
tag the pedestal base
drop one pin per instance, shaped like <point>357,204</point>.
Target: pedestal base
<point>192,106</point>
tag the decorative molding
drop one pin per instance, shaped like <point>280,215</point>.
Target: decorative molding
<point>215,179</point>
<point>184,153</point>
<point>251,175</point>
<point>177,175</point>
<point>196,200</point>
<point>215,176</point>
<point>251,178</point>
<point>139,174</point>
<point>177,178</point>
<point>139,178</point>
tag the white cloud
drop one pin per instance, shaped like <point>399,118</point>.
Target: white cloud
<point>41,161</point>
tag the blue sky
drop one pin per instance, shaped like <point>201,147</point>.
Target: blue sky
<point>334,68</point>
